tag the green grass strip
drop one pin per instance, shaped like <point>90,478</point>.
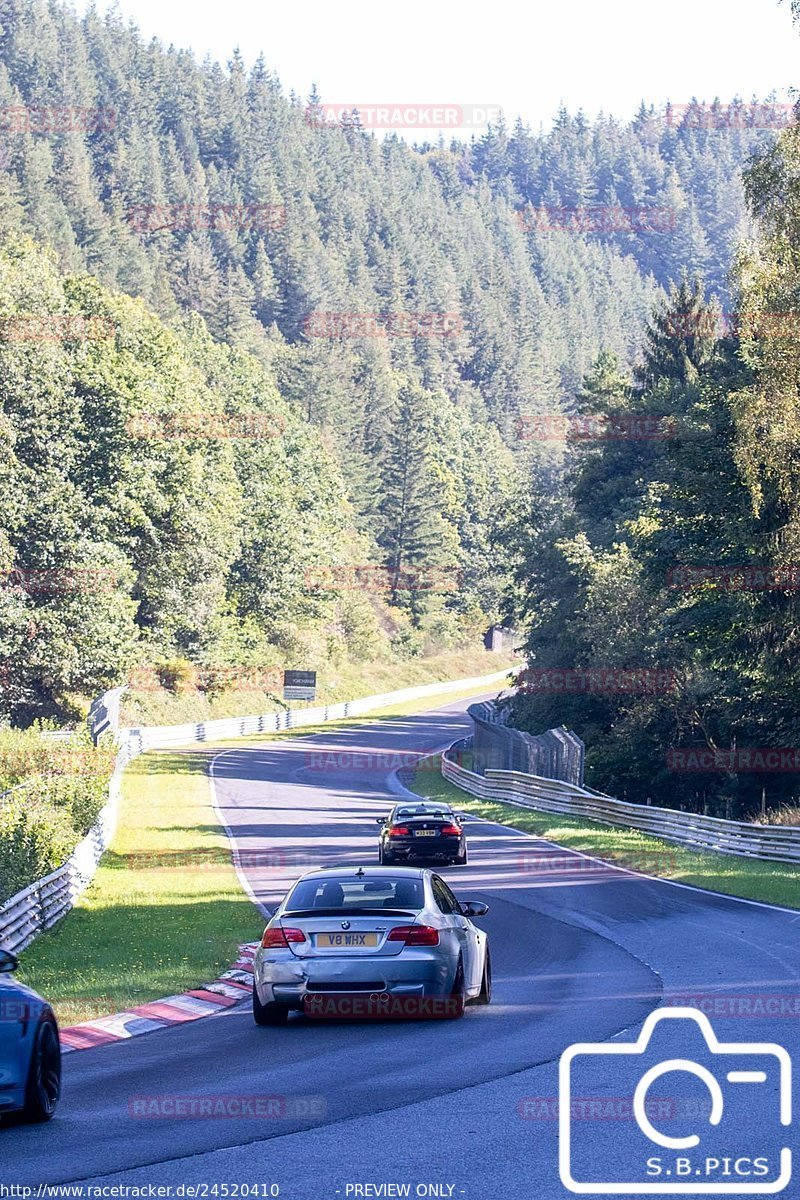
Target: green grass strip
<point>753,879</point>
<point>165,911</point>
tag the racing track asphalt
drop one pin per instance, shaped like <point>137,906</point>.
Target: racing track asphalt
<point>581,952</point>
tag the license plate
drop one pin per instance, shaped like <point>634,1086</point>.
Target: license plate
<point>424,833</point>
<point>344,941</point>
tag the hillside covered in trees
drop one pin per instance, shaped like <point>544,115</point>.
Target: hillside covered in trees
<point>357,225</point>
<point>113,531</point>
<point>663,571</point>
<point>396,317</point>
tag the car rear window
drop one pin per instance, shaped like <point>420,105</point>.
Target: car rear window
<point>345,893</point>
<point>423,812</point>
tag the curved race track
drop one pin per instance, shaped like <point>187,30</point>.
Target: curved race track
<point>580,953</point>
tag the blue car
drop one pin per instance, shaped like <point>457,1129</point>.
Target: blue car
<point>30,1054</point>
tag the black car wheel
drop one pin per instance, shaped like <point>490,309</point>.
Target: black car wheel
<point>461,860</point>
<point>44,1077</point>
<point>484,996</point>
<point>457,998</point>
<point>268,1014</point>
<point>384,857</point>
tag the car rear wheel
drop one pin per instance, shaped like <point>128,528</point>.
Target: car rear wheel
<point>458,994</point>
<point>484,996</point>
<point>461,860</point>
<point>384,857</point>
<point>44,1077</point>
<point>268,1014</point>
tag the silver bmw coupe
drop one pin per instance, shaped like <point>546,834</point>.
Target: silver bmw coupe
<point>371,942</point>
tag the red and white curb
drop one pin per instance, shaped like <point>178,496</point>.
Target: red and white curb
<point>233,985</point>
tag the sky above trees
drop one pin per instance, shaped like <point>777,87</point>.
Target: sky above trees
<point>529,59</point>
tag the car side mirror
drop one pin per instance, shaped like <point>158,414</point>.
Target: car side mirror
<point>8,962</point>
<point>380,821</point>
<point>474,908</point>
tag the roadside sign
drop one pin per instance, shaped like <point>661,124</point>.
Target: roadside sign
<point>299,685</point>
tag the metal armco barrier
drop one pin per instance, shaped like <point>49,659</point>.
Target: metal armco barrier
<point>555,754</point>
<point>104,713</point>
<point>775,843</point>
<point>40,905</point>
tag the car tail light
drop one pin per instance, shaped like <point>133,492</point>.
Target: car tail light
<point>415,935</point>
<point>399,831</point>
<point>451,830</point>
<point>278,936</point>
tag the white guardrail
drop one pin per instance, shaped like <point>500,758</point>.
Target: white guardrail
<point>154,737</point>
<point>776,843</point>
<point>42,904</point>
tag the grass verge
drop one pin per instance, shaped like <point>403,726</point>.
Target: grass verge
<point>165,911</point>
<point>347,681</point>
<point>773,883</point>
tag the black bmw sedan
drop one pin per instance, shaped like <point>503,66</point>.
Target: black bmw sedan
<point>426,830</point>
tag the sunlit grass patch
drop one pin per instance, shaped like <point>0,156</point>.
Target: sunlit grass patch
<point>165,911</point>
